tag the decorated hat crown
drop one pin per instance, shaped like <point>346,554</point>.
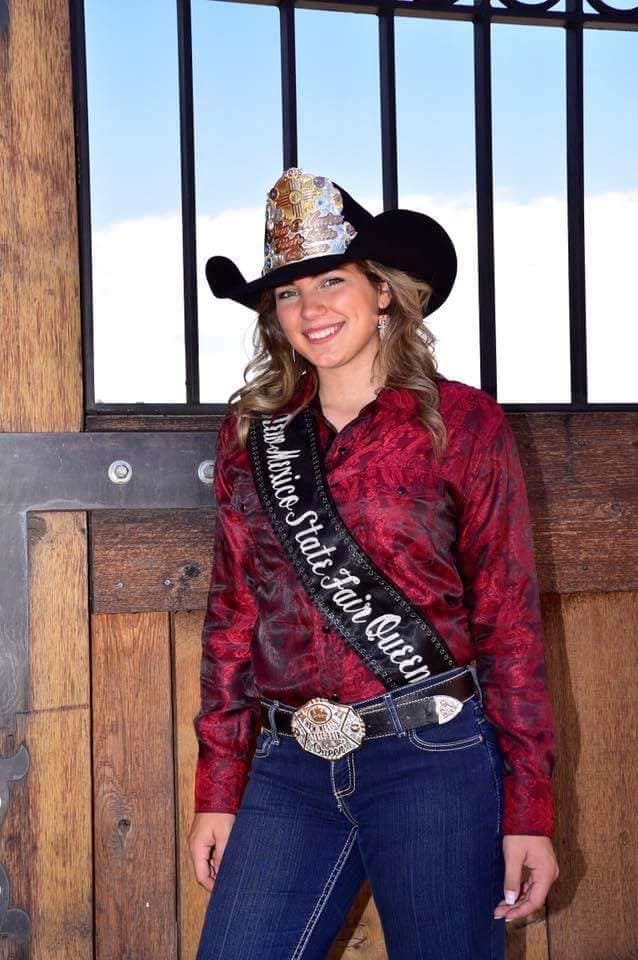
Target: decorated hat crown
<point>304,219</point>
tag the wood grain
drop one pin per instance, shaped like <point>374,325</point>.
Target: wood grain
<point>580,471</point>
<point>58,610</point>
<point>192,898</point>
<point>134,422</point>
<point>46,838</point>
<point>527,940</point>
<point>134,807</point>
<point>154,560</point>
<point>40,329</point>
<point>593,661</point>
<point>361,935</point>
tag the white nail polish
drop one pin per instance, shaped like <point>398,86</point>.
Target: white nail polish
<point>510,897</point>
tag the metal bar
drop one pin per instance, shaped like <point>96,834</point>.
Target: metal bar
<point>387,83</point>
<point>70,471</point>
<point>14,617</point>
<point>187,155</point>
<point>441,9</point>
<point>83,186</point>
<point>77,471</point>
<point>576,208</point>
<point>288,82</point>
<point>485,197</point>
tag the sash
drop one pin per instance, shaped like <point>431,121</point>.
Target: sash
<point>372,614</point>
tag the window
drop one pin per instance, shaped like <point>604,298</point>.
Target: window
<point>513,124</point>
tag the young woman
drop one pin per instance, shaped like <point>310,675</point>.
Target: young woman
<point>374,699</point>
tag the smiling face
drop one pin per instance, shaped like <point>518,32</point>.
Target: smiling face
<point>331,319</point>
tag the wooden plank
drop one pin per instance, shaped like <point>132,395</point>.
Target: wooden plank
<point>361,937</point>
<point>580,473</point>
<point>154,560</point>
<point>133,787</point>
<point>40,329</point>
<point>192,898</point>
<point>204,422</point>
<point>46,838</point>
<point>593,659</point>
<point>527,940</point>
<point>58,610</point>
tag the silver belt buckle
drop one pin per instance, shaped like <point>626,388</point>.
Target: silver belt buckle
<point>329,730</point>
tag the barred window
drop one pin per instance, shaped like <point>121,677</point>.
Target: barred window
<point>514,124</point>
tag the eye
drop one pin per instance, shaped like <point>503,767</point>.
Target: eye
<point>282,294</point>
<point>331,280</point>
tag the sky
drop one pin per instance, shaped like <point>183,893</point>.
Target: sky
<point>136,201</point>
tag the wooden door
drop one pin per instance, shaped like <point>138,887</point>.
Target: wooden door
<point>92,834</point>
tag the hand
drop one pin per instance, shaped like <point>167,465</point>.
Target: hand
<point>206,842</point>
<point>537,854</point>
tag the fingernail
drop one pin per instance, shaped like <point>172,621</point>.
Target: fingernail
<point>510,897</point>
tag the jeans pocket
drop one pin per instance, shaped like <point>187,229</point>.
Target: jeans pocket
<point>457,734</point>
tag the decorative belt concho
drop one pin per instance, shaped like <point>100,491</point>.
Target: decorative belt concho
<point>327,729</point>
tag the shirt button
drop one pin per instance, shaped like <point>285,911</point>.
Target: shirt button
<point>343,450</point>
<point>401,489</point>
<point>326,628</point>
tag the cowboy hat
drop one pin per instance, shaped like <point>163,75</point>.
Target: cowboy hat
<point>313,225</point>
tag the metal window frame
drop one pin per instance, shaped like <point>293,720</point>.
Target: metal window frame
<point>574,19</point>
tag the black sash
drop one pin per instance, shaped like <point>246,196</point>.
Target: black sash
<point>367,609</point>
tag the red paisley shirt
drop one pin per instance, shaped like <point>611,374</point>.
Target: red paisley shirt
<point>456,538</point>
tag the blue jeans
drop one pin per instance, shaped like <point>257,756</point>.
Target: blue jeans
<point>417,813</point>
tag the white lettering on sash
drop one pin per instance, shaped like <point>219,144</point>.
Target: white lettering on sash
<point>341,589</point>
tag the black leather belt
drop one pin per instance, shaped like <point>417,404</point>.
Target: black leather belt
<point>415,708</point>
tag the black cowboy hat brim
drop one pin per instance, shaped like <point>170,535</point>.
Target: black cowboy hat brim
<point>404,239</point>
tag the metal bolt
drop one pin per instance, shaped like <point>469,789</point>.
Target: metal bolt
<point>120,471</point>
<point>206,471</point>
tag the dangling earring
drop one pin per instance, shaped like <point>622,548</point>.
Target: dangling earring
<point>383,319</point>
<point>294,355</point>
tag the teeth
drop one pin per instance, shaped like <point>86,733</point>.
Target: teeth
<point>324,333</point>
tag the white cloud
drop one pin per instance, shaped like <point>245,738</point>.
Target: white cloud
<point>137,276</point>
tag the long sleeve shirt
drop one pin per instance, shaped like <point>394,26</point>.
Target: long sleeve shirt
<point>454,535</point>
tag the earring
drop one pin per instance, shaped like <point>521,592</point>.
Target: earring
<point>294,355</point>
<point>383,319</point>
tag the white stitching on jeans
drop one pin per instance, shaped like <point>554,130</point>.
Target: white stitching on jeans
<point>430,746</point>
<point>325,893</point>
<point>497,786</point>
<point>352,778</point>
<point>342,807</point>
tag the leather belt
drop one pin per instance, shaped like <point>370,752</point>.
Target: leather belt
<point>331,729</point>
